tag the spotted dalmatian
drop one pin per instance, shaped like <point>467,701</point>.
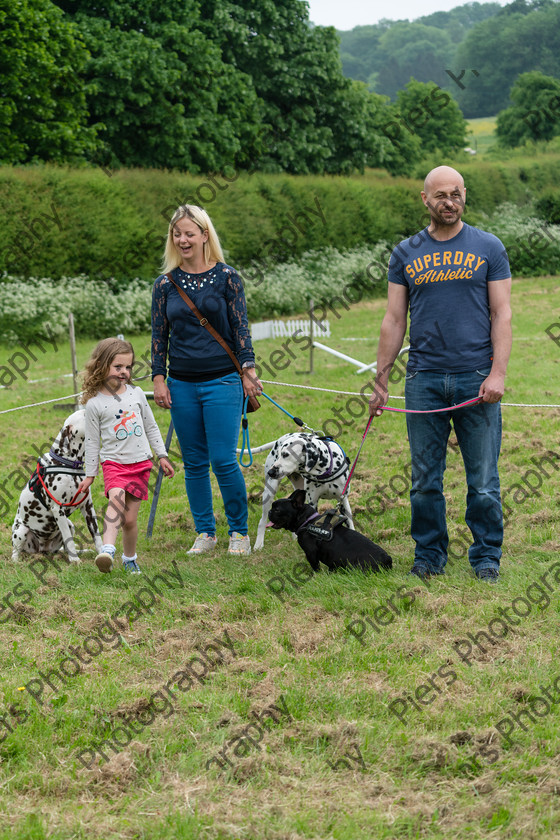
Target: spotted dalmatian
<point>41,525</point>
<point>312,463</point>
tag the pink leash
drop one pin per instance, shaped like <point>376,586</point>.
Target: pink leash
<point>430,410</point>
<point>403,411</point>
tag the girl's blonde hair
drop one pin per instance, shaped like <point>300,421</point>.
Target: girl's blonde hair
<point>212,250</point>
<point>99,363</point>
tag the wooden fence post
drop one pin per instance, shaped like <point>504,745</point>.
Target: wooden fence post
<point>73,354</point>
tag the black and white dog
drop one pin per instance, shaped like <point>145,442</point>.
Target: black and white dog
<point>324,540</point>
<point>314,464</point>
<point>42,524</point>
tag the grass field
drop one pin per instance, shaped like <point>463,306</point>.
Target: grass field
<point>480,136</point>
<point>333,727</point>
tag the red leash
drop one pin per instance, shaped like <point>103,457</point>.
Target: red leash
<point>404,411</point>
<point>72,503</point>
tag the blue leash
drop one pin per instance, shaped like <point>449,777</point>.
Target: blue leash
<point>245,442</point>
<point>297,420</point>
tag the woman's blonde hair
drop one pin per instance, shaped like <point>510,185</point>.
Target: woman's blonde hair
<point>99,363</point>
<point>212,250</point>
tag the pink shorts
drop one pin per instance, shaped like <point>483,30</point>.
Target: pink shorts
<point>130,477</point>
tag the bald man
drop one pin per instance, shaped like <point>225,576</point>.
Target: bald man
<point>455,280</point>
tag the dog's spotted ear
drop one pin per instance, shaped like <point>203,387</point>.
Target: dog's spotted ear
<point>298,498</point>
<point>311,455</point>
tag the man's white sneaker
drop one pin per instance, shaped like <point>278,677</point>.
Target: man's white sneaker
<point>239,544</point>
<point>203,543</point>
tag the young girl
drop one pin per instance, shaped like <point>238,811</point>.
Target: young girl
<point>118,415</point>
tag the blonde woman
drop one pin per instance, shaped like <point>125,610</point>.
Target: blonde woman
<point>195,377</point>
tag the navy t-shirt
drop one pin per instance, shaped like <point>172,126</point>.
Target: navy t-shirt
<point>448,297</point>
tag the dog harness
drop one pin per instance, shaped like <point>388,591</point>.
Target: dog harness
<point>328,475</point>
<point>322,525</point>
<point>37,482</point>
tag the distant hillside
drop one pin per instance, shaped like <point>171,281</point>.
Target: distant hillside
<point>484,46</point>
<point>387,54</point>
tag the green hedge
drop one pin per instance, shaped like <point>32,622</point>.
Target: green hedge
<point>59,222</point>
<point>38,308</point>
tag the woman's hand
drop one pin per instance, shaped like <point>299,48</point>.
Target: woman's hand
<point>252,386</point>
<point>162,397</point>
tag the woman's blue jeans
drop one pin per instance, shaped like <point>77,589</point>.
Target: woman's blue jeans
<point>479,434</point>
<point>207,417</point>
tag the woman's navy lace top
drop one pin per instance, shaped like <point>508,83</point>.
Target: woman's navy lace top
<point>178,339</point>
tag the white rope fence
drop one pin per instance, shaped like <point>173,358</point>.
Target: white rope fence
<point>44,402</point>
<point>359,394</point>
<point>283,385</point>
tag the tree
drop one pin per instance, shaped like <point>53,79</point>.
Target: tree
<point>412,49</point>
<point>535,114</point>
<point>43,114</point>
<point>390,52</point>
<point>359,49</point>
<point>161,90</point>
<point>433,115</point>
<point>208,84</point>
<point>459,20</point>
<point>314,119</point>
<point>522,37</point>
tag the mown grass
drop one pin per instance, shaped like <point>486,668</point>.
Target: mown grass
<point>305,779</point>
<point>481,135</point>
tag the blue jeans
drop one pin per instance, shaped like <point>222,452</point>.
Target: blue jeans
<point>207,417</point>
<point>479,434</point>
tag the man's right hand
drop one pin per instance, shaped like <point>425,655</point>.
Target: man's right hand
<point>379,398</point>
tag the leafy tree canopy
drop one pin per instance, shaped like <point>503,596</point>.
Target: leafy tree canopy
<point>522,37</point>
<point>207,85</point>
<point>203,85</point>
<point>161,89</point>
<point>433,115</point>
<point>412,49</point>
<point>388,53</point>
<point>535,114</point>
<point>43,111</point>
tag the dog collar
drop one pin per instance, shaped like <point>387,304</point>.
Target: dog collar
<point>65,462</point>
<point>307,521</point>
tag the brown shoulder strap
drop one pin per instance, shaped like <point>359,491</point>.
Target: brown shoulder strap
<point>204,322</point>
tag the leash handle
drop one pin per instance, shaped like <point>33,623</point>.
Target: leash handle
<point>430,410</point>
<point>245,441</point>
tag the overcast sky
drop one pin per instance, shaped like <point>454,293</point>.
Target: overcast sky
<point>346,14</point>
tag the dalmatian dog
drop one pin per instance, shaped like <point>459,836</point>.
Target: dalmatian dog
<point>314,464</point>
<point>42,524</point>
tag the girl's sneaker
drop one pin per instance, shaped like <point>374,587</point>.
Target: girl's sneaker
<point>130,565</point>
<point>203,543</point>
<point>104,560</point>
